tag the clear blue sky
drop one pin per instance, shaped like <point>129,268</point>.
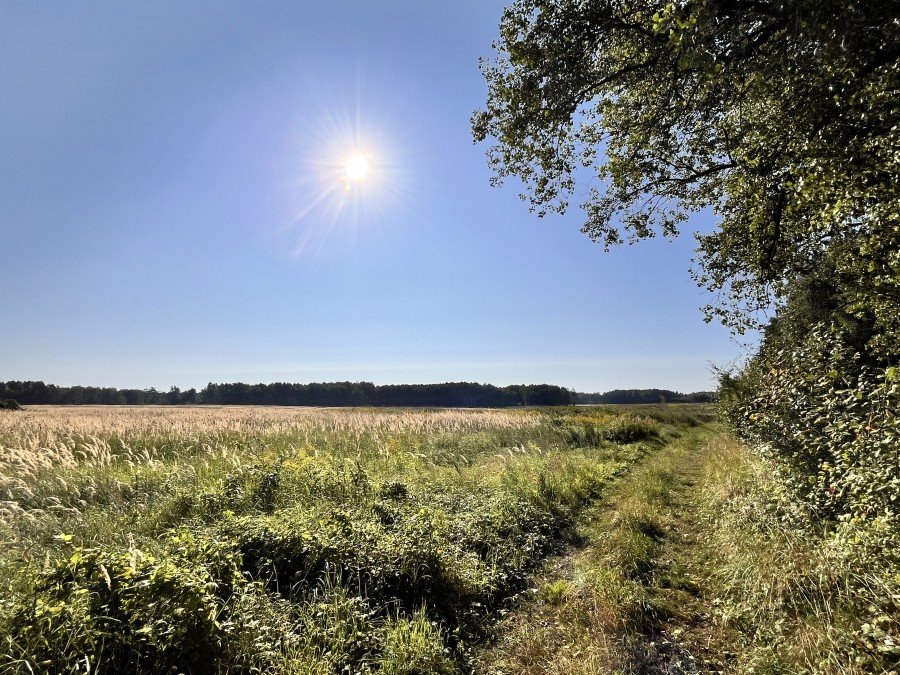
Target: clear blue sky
<point>170,212</point>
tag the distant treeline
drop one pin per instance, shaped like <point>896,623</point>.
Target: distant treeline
<point>450,394</point>
<point>447,395</point>
<point>646,396</point>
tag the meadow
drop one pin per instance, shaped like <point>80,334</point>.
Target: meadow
<point>316,541</point>
<point>286,540</point>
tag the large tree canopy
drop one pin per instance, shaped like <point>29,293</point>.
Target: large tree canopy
<point>784,117</point>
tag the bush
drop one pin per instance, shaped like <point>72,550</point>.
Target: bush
<point>631,430</point>
<point>125,610</point>
<point>827,423</point>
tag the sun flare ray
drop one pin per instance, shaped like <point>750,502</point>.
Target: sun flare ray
<point>350,177</point>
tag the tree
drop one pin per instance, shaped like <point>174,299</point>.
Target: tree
<point>782,116</point>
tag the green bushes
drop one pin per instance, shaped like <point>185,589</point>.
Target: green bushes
<point>447,550</point>
<point>402,564</point>
<point>631,430</point>
<point>825,418</point>
<point>126,610</point>
<point>829,423</point>
<point>592,430</point>
<point>422,566</point>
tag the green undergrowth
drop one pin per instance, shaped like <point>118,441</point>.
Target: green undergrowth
<point>336,552</point>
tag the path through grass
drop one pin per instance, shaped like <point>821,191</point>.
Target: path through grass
<point>631,597</point>
<point>695,562</point>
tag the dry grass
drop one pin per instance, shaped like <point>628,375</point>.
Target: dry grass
<point>66,435</point>
<point>36,441</point>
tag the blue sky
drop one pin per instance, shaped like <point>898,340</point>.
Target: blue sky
<point>169,212</point>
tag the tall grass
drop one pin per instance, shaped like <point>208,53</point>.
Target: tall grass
<point>802,598</point>
<point>278,539</point>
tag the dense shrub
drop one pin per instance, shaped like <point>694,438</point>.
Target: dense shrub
<point>826,419</point>
<point>829,423</point>
<point>405,563</point>
<point>448,550</point>
<point>631,430</point>
<point>128,610</point>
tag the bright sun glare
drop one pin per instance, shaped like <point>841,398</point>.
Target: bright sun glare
<point>349,180</point>
<point>356,168</point>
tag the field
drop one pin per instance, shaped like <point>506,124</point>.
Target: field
<point>283,539</point>
<point>202,540</point>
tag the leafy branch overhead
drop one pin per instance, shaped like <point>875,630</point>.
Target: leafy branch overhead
<point>783,117</point>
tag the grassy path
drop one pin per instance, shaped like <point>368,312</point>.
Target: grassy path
<point>631,598</point>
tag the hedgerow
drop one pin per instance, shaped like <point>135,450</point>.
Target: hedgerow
<point>827,421</point>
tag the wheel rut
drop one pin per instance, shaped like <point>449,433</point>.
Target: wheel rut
<point>630,598</point>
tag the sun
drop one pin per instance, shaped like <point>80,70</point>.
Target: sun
<point>350,178</point>
<point>357,168</point>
